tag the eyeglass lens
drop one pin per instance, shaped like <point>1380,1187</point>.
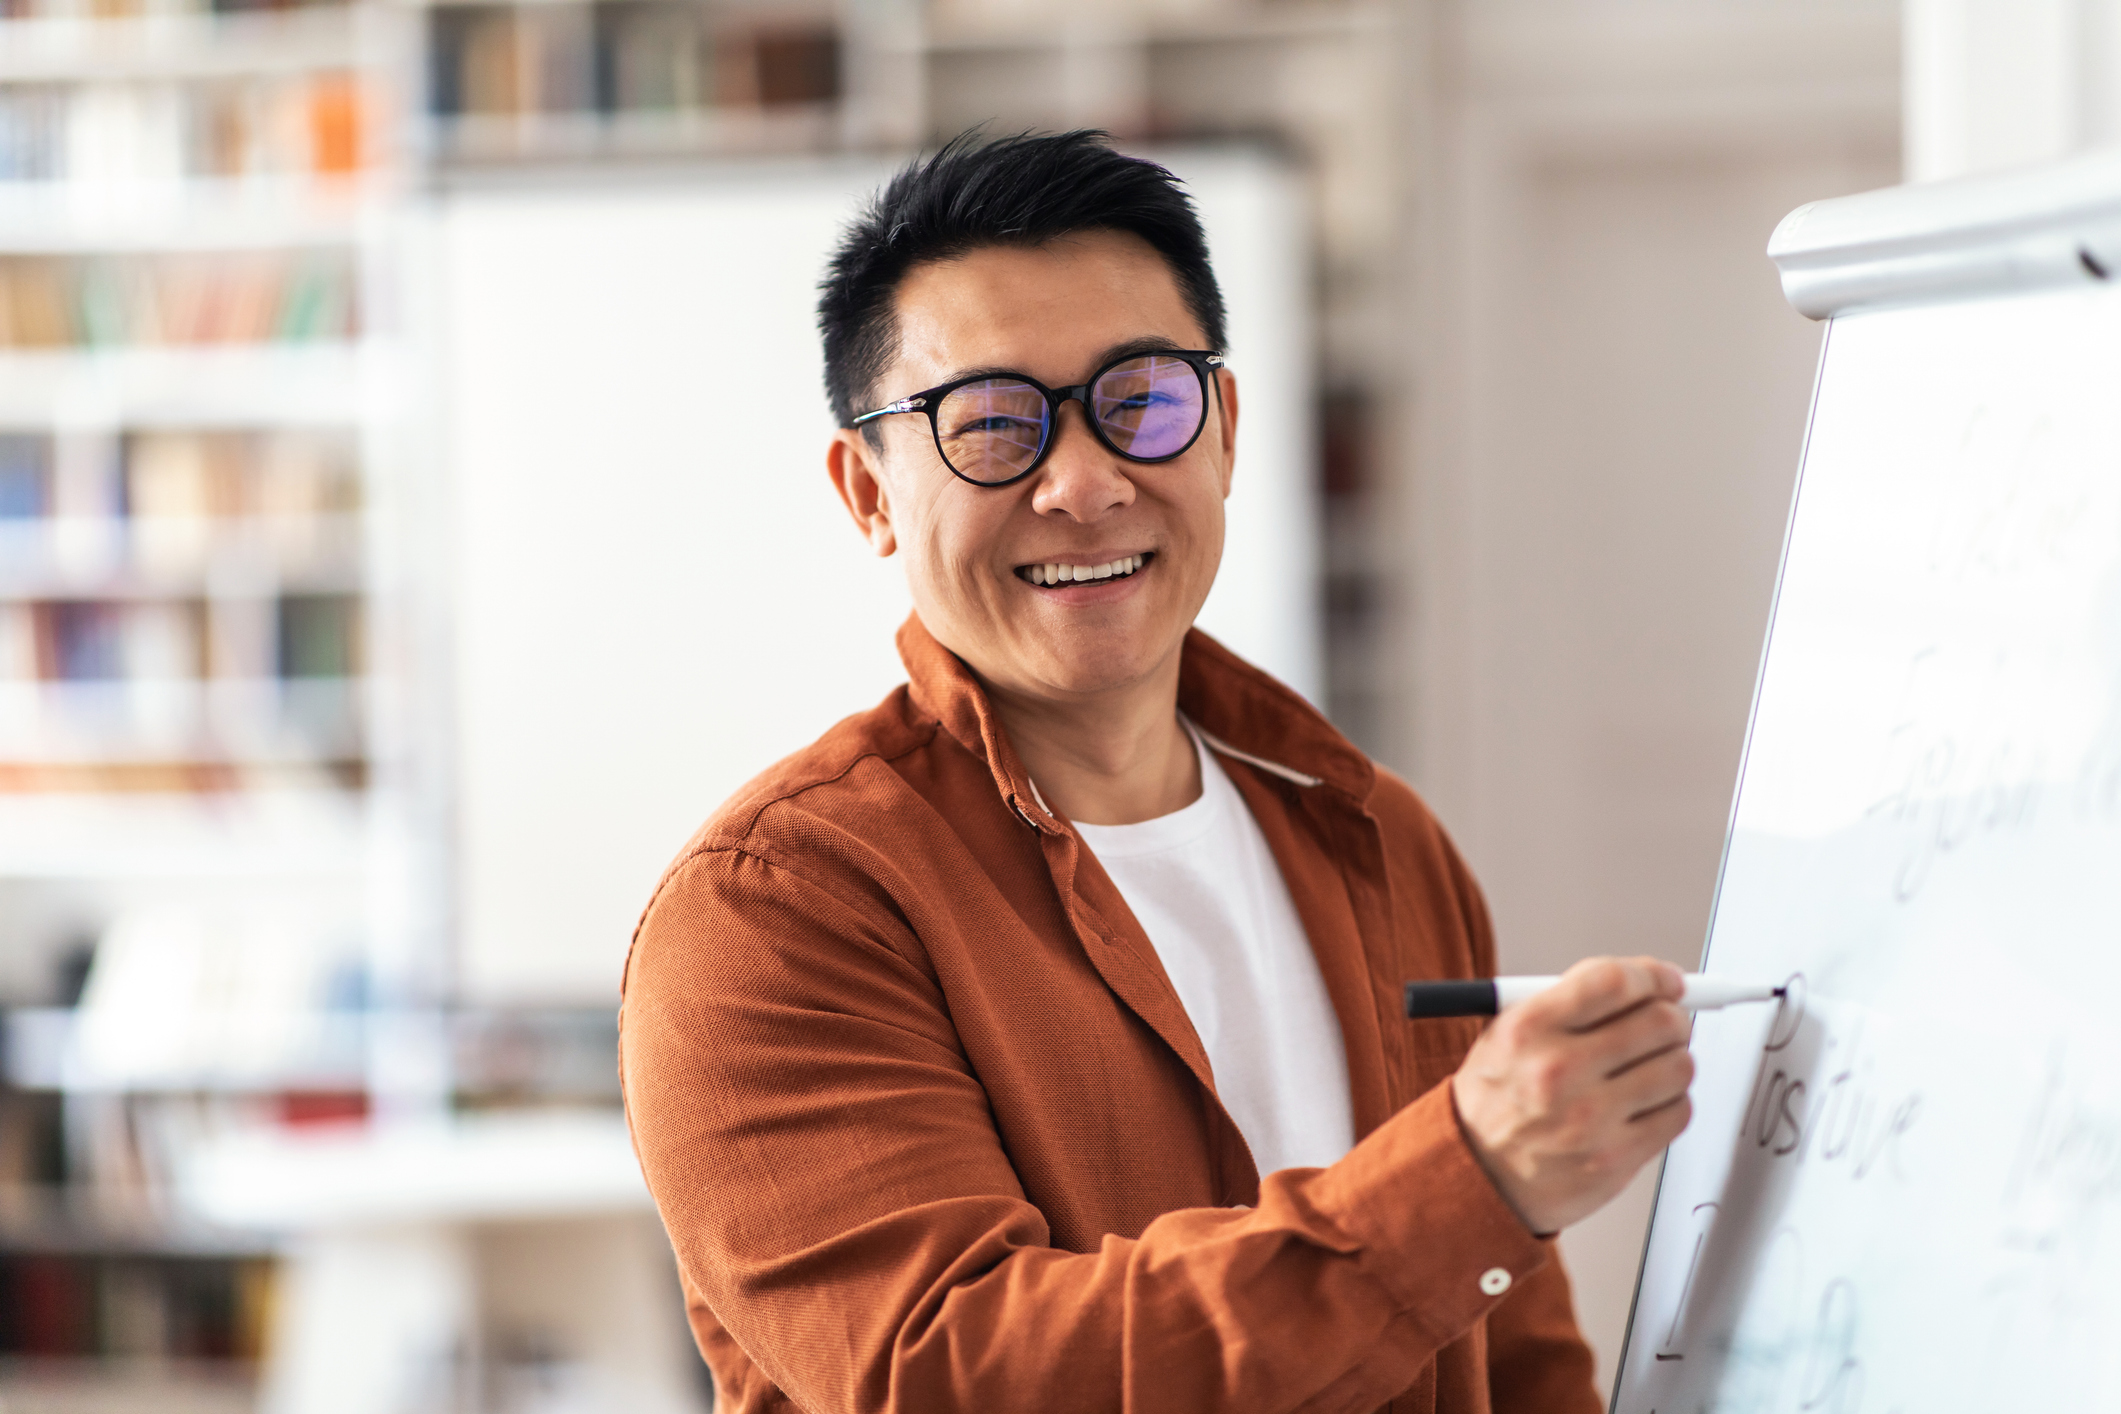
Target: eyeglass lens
<point>1148,407</point>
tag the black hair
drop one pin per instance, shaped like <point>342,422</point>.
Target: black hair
<point>1024,190</point>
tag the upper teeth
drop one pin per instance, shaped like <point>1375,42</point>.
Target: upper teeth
<point>1063,574</point>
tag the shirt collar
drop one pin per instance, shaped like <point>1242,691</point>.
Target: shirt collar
<point>1244,712</point>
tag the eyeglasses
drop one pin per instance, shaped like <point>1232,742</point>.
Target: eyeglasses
<point>996,428</point>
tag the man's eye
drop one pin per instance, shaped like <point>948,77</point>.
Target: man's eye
<point>995,426</point>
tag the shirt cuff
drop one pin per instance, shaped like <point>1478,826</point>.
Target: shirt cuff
<point>1434,1231</point>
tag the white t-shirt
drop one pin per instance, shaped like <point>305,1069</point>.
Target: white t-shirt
<point>1206,888</point>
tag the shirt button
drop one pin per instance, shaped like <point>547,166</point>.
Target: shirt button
<point>1494,1281</point>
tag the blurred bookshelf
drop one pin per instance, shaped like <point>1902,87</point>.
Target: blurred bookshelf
<point>115,1294</point>
<point>629,78</point>
<point>194,206</point>
<point>188,199</point>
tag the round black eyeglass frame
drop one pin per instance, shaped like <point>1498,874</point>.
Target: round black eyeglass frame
<point>1203,362</point>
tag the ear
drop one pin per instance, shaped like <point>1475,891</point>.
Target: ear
<point>1226,413</point>
<point>852,464</point>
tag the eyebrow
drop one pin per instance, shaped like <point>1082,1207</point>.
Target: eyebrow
<point>1128,348</point>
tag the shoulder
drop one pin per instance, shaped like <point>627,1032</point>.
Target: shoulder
<point>1427,868</point>
<point>814,844</point>
<point>842,776</point>
<point>1403,814</point>
<point>783,914</point>
<point>1411,830</point>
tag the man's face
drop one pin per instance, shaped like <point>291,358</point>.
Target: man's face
<point>1055,312</point>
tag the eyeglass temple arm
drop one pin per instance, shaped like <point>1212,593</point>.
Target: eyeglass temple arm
<point>902,405</point>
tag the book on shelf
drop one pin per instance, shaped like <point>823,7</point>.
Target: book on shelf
<point>320,124</point>
<point>96,640</point>
<point>137,9</point>
<point>652,56</point>
<point>780,65</point>
<point>18,644</point>
<point>32,132</point>
<point>221,483</point>
<point>629,57</point>
<point>134,1307</point>
<point>25,476</point>
<point>219,297</point>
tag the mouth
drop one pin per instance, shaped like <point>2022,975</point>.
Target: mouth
<point>1054,574</point>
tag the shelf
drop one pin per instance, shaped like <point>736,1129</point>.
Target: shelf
<point>89,1386</point>
<point>499,139</point>
<point>263,833</point>
<point>486,1168</point>
<point>231,723</point>
<point>50,1218</point>
<point>977,29</point>
<point>164,557</point>
<point>182,46</point>
<point>252,385</point>
<point>58,1048</point>
<point>502,1062</point>
<point>201,213</point>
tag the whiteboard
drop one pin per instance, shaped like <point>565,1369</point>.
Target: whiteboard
<point>1901,1189</point>
<point>655,591</point>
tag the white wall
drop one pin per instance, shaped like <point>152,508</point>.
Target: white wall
<point>654,584</point>
<point>1265,603</point>
<point>657,593</point>
<point>1993,84</point>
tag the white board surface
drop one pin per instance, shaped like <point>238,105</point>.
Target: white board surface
<point>1902,1190</point>
<point>657,593</point>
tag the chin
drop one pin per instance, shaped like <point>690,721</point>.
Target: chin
<point>1097,667</point>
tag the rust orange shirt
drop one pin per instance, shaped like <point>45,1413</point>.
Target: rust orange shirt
<point>931,1132</point>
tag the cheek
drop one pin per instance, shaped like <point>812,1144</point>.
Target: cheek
<point>949,557</point>
<point>1198,507</point>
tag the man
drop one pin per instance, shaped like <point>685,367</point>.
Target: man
<point>1031,1040</point>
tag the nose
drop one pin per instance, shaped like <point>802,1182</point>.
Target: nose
<point>1080,479</point>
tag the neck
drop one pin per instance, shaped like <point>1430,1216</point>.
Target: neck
<point>1115,758</point>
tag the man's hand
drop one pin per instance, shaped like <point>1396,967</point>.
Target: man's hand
<point>1567,1095</point>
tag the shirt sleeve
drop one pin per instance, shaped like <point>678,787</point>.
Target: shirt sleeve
<point>1537,1361</point>
<point>839,1198</point>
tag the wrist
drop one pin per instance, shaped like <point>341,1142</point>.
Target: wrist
<point>1492,1166</point>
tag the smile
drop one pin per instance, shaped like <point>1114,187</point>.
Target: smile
<point>1077,574</point>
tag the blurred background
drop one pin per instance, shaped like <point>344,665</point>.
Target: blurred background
<point>411,482</point>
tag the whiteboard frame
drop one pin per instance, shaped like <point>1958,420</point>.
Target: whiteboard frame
<point>1925,244</point>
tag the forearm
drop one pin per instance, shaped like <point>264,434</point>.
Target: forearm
<point>1332,1294</point>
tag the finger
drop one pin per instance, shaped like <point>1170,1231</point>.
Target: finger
<point>1600,988</point>
<point>1654,1083</point>
<point>1633,1036</point>
<point>1655,1129</point>
<point>1652,1133</point>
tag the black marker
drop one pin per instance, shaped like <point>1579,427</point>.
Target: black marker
<point>1489,995</point>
